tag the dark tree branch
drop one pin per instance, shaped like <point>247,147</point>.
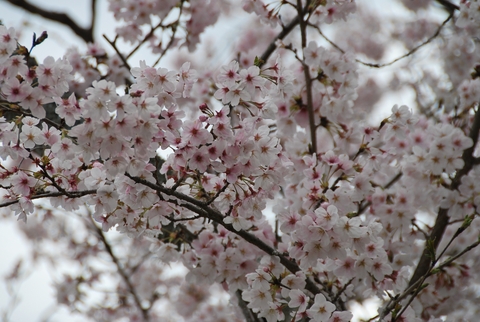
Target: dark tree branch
<point>447,5</point>
<point>85,33</point>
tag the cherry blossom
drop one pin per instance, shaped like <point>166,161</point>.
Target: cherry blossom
<point>274,182</point>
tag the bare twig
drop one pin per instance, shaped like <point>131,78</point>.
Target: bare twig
<point>147,36</point>
<point>174,26</point>
<point>93,17</point>
<point>376,65</point>
<point>454,258</point>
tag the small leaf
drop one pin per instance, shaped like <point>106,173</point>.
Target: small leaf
<point>258,61</point>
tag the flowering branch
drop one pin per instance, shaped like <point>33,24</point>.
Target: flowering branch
<point>237,139</point>
<point>442,218</point>
<point>428,259</point>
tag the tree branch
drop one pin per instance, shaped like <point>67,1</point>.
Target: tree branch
<point>271,48</point>
<point>85,33</point>
<point>450,7</point>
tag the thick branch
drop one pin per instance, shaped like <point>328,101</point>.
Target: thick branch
<point>85,33</point>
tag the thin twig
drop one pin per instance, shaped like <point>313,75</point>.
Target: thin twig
<point>93,8</point>
<point>25,113</point>
<point>121,271</point>
<point>376,65</point>
<point>463,252</point>
<point>72,195</point>
<point>218,193</point>
<point>114,46</point>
